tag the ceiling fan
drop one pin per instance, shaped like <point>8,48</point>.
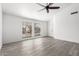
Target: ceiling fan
<point>48,6</point>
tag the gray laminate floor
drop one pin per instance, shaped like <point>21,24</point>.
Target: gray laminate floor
<point>45,46</point>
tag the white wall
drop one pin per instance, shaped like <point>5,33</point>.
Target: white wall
<point>50,27</point>
<point>0,26</point>
<point>65,26</point>
<point>12,27</point>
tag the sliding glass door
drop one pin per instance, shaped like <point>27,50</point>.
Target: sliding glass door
<point>30,29</point>
<point>37,29</point>
<point>27,29</point>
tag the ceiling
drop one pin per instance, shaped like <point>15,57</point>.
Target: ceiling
<point>31,10</point>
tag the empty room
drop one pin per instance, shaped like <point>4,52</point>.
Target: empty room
<point>39,29</point>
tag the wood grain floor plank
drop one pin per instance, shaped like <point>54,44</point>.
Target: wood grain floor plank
<point>45,46</point>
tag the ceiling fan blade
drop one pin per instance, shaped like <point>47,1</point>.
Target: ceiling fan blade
<point>41,9</point>
<point>48,4</point>
<point>54,7</point>
<point>47,10</point>
<point>40,4</point>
